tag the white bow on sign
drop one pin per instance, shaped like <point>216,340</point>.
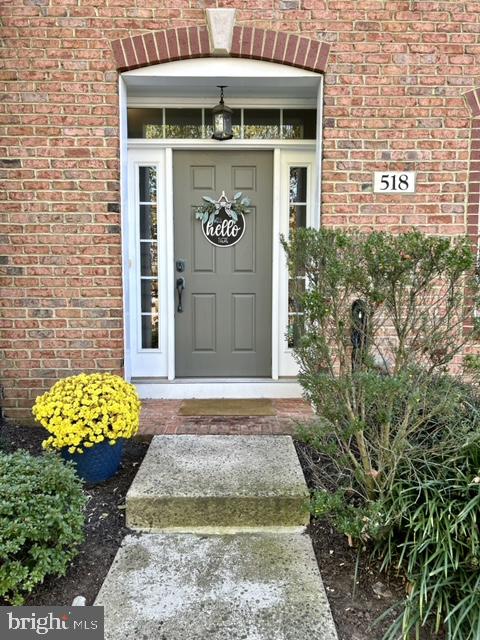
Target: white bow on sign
<point>233,208</point>
<point>223,203</point>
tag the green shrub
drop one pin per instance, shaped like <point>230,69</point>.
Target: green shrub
<point>398,426</point>
<point>355,521</point>
<point>419,409</point>
<point>413,290</point>
<point>426,524</point>
<point>41,521</point>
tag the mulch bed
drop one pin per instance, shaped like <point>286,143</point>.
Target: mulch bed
<point>352,581</point>
<point>354,610</point>
<point>358,591</point>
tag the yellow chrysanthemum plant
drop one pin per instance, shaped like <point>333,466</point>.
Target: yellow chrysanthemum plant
<point>81,411</point>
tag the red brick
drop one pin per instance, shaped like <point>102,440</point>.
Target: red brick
<point>118,54</point>
<point>161,40</point>
<point>301,52</point>
<point>194,42</point>
<point>183,46</point>
<point>312,55</point>
<point>247,38</point>
<point>473,103</point>
<point>129,52</point>
<point>140,50</point>
<point>280,46</point>
<point>163,416</point>
<point>269,45</point>
<point>236,42</point>
<point>150,47</point>
<point>204,42</point>
<point>291,49</point>
<point>173,53</point>
<point>322,57</point>
<point>257,46</point>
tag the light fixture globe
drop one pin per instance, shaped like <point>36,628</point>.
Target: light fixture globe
<point>222,119</point>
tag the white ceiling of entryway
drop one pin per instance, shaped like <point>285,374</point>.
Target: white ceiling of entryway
<point>199,78</point>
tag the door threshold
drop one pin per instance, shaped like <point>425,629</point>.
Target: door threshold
<point>198,388</point>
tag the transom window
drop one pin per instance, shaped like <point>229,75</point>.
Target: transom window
<point>265,124</point>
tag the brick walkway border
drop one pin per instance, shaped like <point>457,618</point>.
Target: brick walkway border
<point>161,417</point>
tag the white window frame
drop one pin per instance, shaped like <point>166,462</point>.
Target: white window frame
<point>286,363</point>
<point>147,362</point>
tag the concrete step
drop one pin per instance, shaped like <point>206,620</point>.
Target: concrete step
<point>207,483</point>
<point>248,586</point>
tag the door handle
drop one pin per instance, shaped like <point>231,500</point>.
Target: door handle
<point>180,288</point>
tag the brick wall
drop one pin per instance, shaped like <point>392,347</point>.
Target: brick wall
<point>394,86</point>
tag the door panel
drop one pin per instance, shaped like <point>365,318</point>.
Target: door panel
<point>243,322</point>
<point>204,322</point>
<point>203,177</point>
<point>244,252</point>
<point>244,178</point>
<point>225,327</point>
<point>203,252</point>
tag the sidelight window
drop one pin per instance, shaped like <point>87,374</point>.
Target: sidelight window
<point>297,208</point>
<point>148,256</point>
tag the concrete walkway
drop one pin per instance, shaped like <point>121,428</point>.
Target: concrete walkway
<point>209,483</point>
<point>221,553</point>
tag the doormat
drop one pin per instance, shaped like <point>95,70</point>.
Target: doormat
<point>253,407</point>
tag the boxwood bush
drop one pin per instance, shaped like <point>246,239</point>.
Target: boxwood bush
<point>41,521</point>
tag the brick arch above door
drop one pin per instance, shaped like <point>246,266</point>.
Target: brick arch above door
<point>185,43</point>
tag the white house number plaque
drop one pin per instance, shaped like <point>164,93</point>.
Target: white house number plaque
<point>397,182</point>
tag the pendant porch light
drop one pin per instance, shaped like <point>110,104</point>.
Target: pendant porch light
<point>222,118</point>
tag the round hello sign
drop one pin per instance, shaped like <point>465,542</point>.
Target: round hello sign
<point>223,220</point>
<point>223,231</point>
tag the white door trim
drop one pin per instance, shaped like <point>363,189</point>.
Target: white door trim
<point>162,157</point>
<point>146,362</point>
<point>287,364</point>
<point>166,385</point>
<point>170,251</point>
<point>275,261</point>
<point>315,220</point>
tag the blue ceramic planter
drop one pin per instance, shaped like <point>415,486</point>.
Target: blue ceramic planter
<point>98,463</point>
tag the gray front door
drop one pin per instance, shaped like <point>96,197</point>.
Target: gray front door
<point>224,328</point>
